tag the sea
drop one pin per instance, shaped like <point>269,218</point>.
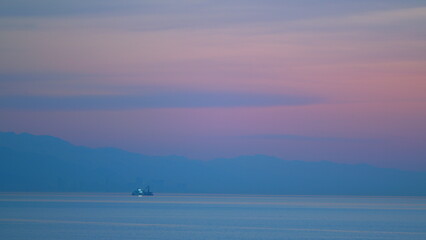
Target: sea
<point>92,216</point>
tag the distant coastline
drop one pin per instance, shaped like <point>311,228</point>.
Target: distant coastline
<point>32,163</point>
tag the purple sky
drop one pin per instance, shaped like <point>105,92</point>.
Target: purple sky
<point>303,80</point>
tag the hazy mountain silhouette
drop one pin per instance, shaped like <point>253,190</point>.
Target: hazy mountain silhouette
<point>44,163</point>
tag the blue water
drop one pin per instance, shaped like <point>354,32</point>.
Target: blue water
<point>84,216</point>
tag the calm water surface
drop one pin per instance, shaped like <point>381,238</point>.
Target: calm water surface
<point>45,216</point>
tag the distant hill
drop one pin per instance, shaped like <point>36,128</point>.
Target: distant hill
<point>44,163</point>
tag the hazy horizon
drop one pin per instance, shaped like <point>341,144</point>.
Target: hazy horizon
<point>52,164</point>
<point>206,159</point>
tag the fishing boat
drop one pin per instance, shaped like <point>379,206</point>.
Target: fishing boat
<point>143,192</point>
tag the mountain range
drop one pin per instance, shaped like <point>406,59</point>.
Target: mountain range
<point>45,163</point>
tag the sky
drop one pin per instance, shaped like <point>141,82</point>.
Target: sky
<point>309,80</point>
